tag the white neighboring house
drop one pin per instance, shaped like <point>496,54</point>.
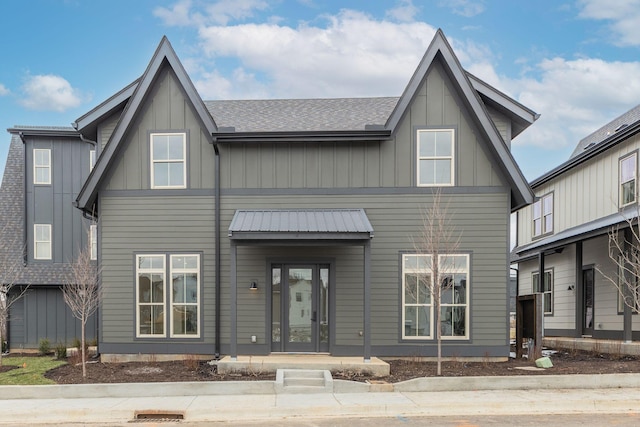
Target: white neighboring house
<point>565,234</point>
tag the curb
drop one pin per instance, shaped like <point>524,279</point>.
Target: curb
<point>228,388</point>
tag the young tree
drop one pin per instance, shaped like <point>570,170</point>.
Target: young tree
<point>438,238</point>
<point>10,273</point>
<point>82,293</point>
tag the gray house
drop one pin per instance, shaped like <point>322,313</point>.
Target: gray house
<point>251,227</point>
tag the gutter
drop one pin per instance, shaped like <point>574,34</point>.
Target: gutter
<point>372,133</point>
<point>24,201</point>
<point>217,249</point>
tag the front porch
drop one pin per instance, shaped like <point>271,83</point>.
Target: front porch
<point>594,345</point>
<point>273,362</point>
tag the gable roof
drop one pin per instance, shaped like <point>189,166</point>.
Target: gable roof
<point>521,193</point>
<point>320,119</point>
<point>164,54</point>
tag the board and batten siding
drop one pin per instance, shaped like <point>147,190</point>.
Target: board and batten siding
<point>376,164</point>
<point>585,193</point>
<point>166,110</point>
<point>105,130</point>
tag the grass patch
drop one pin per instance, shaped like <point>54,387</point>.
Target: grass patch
<point>30,370</point>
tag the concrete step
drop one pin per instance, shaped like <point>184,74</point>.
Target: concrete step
<point>303,381</point>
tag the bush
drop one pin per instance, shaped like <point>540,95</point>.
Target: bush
<point>61,351</point>
<point>77,343</point>
<point>5,347</point>
<point>45,347</point>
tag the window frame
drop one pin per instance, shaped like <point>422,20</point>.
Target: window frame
<point>48,242</point>
<point>634,179</point>
<point>173,304</point>
<point>536,289</point>
<point>46,166</point>
<point>92,159</point>
<point>540,205</point>
<point>167,270</point>
<point>93,241</point>
<point>451,157</point>
<point>153,161</point>
<point>428,270</point>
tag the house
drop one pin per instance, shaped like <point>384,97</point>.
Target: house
<point>42,232</point>
<point>246,227</point>
<point>565,234</point>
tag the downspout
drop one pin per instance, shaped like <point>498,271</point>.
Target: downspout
<point>24,202</point>
<point>217,247</point>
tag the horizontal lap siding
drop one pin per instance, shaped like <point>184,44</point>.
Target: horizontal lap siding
<point>151,224</point>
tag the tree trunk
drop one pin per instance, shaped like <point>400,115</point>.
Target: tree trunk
<point>438,334</point>
<point>84,364</point>
<point>1,338</point>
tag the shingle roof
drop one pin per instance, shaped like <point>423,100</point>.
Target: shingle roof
<point>301,115</point>
<point>12,224</point>
<point>617,124</point>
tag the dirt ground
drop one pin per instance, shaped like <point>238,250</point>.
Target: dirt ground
<point>565,362</point>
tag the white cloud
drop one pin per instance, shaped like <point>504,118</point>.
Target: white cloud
<point>624,17</point>
<point>184,14</point>
<point>3,90</point>
<point>179,15</point>
<point>404,12</point>
<point>49,93</point>
<point>466,8</point>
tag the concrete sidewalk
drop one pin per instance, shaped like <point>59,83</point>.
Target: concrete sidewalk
<point>118,404</point>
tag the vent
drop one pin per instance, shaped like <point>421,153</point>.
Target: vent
<point>158,416</point>
<point>590,145</point>
<point>622,126</point>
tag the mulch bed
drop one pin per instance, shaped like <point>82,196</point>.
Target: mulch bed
<point>573,362</point>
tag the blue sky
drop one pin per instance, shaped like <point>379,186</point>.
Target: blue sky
<point>575,62</point>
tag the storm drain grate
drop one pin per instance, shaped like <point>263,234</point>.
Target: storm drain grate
<point>158,416</point>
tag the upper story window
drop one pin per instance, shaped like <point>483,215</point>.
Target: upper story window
<point>628,173</point>
<point>41,166</point>
<point>168,160</point>
<point>92,159</point>
<point>543,215</point>
<point>42,241</point>
<point>435,157</point>
<point>93,241</point>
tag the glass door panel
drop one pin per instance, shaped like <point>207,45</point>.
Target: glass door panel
<point>301,313</point>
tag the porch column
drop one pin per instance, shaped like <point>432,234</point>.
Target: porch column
<point>541,286</point>
<point>367,301</point>
<point>627,316</point>
<point>579,289</point>
<point>233,351</point>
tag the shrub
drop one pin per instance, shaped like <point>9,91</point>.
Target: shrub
<point>5,347</point>
<point>77,343</point>
<point>45,347</point>
<point>61,351</point>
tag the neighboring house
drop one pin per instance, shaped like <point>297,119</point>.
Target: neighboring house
<point>565,235</point>
<point>251,227</point>
<point>41,231</point>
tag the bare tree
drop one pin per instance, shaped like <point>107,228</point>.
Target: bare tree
<point>439,238</point>
<point>11,265</point>
<point>624,252</point>
<point>82,293</point>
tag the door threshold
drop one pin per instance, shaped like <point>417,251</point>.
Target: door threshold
<point>304,353</point>
<point>586,336</point>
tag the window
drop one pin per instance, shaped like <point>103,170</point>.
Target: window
<point>168,160</point>
<point>628,175</point>
<point>435,157</point>
<point>546,290</point>
<point>42,241</point>
<point>179,296</point>
<point>543,215</point>
<point>417,296</point>
<point>93,241</point>
<point>92,159</point>
<point>185,290</point>
<point>41,166</point>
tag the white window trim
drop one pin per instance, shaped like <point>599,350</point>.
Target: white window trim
<point>93,241</point>
<point>452,158</point>
<point>541,286</point>
<point>635,178</point>
<point>36,241</point>
<point>171,302</point>
<point>162,271</point>
<point>92,159</point>
<point>542,203</point>
<point>183,160</point>
<point>36,167</point>
<point>432,305</point>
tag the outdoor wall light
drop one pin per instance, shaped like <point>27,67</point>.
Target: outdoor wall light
<point>254,286</point>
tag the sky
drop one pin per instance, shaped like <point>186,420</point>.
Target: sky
<point>574,62</point>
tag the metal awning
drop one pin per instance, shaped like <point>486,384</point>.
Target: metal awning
<point>300,224</point>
